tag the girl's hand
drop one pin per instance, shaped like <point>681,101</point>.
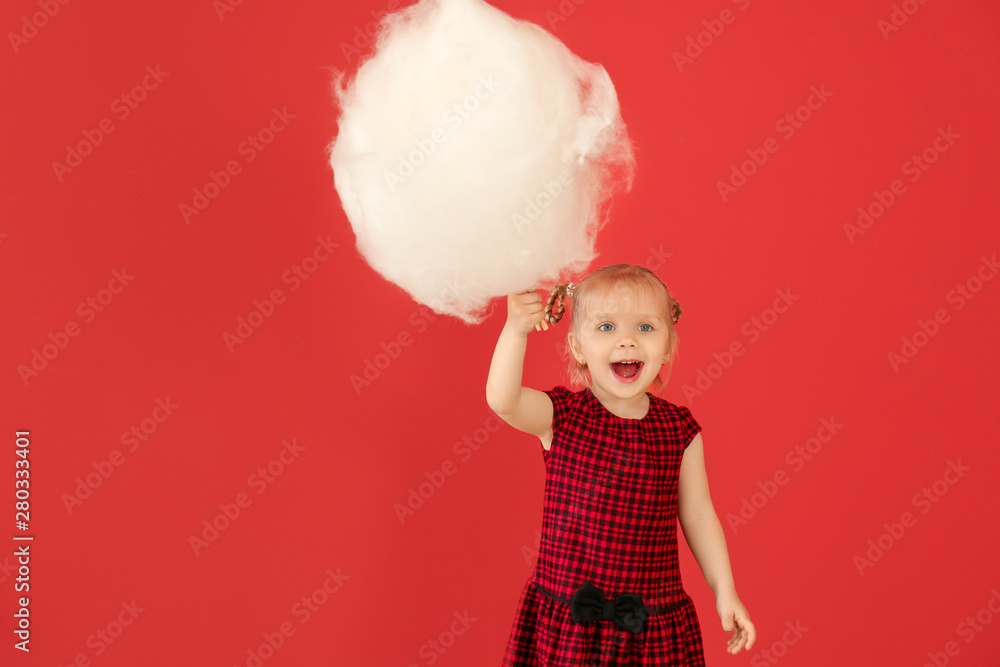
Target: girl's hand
<point>524,311</point>
<point>735,619</point>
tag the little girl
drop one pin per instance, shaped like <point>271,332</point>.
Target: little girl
<point>622,467</point>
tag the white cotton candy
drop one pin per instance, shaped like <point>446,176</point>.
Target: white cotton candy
<point>475,155</point>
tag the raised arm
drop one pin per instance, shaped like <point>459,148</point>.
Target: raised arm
<point>525,409</point>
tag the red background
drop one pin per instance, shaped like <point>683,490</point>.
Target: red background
<point>468,547</point>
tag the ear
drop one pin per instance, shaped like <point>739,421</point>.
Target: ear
<point>574,347</point>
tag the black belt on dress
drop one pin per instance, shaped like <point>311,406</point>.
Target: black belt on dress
<point>627,610</point>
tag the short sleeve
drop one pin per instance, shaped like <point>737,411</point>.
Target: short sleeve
<point>687,426</point>
<point>561,397</point>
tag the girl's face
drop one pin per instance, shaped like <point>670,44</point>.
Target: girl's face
<point>624,341</point>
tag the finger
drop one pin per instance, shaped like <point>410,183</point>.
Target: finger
<point>743,636</point>
<point>751,634</point>
<point>529,301</point>
<point>545,325</point>
<point>735,637</point>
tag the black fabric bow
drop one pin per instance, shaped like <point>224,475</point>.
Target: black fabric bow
<point>626,611</point>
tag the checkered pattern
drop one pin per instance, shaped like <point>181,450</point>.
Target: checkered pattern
<point>610,518</point>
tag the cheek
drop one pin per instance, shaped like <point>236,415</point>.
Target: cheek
<point>659,349</point>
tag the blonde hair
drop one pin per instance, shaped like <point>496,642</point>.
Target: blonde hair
<point>620,278</point>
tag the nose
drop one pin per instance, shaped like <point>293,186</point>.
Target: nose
<point>626,339</point>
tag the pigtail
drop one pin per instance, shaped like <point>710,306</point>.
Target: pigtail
<point>555,307</point>
<point>675,310</point>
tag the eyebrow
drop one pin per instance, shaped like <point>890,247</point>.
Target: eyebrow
<point>609,316</point>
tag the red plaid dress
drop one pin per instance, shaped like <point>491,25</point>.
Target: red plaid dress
<point>610,519</point>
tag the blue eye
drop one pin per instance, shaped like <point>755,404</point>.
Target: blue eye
<point>648,327</point>
<point>606,324</point>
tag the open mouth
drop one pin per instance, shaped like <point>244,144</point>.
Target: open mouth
<point>627,371</point>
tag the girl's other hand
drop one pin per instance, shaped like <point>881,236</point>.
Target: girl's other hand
<point>736,619</point>
<point>524,311</point>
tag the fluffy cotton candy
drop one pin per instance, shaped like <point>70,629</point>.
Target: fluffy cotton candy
<point>475,155</point>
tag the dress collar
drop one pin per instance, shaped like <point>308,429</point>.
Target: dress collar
<point>592,402</point>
